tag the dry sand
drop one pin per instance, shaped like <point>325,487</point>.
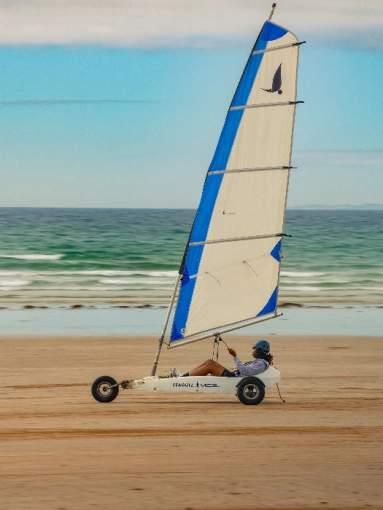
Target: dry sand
<point>60,449</point>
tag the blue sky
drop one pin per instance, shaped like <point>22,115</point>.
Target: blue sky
<point>154,149</point>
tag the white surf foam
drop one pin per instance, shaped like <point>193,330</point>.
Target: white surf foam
<point>34,256</point>
<point>307,289</point>
<point>13,283</point>
<point>293,274</point>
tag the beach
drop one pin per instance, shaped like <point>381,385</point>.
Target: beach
<point>61,449</point>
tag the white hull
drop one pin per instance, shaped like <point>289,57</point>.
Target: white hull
<point>202,384</point>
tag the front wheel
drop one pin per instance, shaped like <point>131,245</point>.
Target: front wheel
<point>102,389</point>
<point>251,391</point>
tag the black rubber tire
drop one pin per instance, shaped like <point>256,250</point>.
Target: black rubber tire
<point>101,389</point>
<point>251,391</point>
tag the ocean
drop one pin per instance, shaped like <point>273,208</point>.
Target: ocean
<point>130,257</point>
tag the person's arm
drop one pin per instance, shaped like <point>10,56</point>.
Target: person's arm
<point>252,368</point>
<point>242,369</point>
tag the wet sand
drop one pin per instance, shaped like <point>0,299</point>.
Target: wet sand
<point>60,449</point>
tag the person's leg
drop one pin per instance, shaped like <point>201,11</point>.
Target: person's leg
<point>202,364</point>
<point>186,374</point>
<point>177,373</point>
<point>209,367</point>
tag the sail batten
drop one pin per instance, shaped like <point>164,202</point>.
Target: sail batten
<point>234,239</point>
<point>264,105</point>
<point>231,267</point>
<point>278,48</point>
<point>249,170</point>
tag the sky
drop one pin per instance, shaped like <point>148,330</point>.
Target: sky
<point>117,103</point>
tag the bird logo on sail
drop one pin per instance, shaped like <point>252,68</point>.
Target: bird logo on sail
<point>277,82</point>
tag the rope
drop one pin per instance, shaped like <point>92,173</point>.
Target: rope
<point>222,340</point>
<point>280,396</point>
<point>216,348</point>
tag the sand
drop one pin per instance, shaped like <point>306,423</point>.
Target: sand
<point>60,449</point>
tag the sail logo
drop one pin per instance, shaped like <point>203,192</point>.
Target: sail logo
<point>277,82</point>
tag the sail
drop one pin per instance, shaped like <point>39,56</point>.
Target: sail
<point>230,271</point>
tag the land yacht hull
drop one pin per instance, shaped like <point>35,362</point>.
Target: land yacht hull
<point>202,384</point>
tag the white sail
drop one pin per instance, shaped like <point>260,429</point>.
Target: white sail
<point>230,272</point>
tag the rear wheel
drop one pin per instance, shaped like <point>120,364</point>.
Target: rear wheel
<point>251,391</point>
<point>102,389</point>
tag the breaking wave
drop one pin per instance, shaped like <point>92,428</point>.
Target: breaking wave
<point>34,256</point>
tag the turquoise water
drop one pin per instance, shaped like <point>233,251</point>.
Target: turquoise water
<point>130,257</point>
<point>345,321</point>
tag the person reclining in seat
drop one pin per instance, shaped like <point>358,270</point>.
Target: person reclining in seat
<point>260,363</point>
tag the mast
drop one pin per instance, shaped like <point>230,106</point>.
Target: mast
<point>271,12</point>
<point>162,337</point>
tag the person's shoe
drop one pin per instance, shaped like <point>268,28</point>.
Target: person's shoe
<point>175,373</point>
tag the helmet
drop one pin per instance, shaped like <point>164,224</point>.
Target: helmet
<point>262,345</point>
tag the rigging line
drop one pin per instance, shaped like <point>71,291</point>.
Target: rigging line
<point>222,340</point>
<point>257,52</point>
<point>280,396</point>
<point>259,169</point>
<point>215,348</point>
<point>219,283</point>
<point>262,105</point>
<point>245,262</point>
<point>226,266</point>
<point>199,243</point>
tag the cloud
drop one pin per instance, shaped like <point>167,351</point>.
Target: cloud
<point>343,158</point>
<point>185,23</point>
<point>70,102</point>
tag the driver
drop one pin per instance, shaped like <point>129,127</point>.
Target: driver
<point>260,363</point>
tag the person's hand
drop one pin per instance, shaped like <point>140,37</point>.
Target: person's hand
<point>232,352</point>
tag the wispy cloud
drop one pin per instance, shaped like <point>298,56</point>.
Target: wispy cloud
<point>344,158</point>
<point>65,102</point>
<point>184,23</point>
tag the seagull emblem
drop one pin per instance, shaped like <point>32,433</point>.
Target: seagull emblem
<point>277,81</point>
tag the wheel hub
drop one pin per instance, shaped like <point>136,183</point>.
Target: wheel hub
<point>251,391</point>
<point>104,389</point>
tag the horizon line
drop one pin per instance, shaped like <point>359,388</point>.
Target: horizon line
<point>294,207</point>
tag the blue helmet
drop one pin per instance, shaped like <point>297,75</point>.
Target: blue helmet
<point>262,345</point>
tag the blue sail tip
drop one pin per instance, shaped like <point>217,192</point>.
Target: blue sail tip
<point>271,305</point>
<point>271,32</point>
<point>276,251</point>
